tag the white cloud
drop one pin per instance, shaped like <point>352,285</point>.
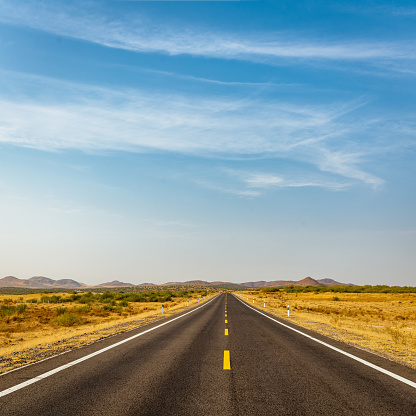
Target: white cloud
<point>263,181</point>
<point>136,33</point>
<point>99,119</point>
<point>346,165</point>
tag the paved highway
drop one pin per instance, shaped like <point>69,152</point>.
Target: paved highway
<point>221,358</point>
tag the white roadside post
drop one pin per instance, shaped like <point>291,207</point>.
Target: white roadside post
<point>162,307</point>
<point>187,303</point>
<point>253,300</point>
<point>288,312</point>
<point>198,300</point>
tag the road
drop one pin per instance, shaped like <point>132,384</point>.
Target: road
<point>181,368</point>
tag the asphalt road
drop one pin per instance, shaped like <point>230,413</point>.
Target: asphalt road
<point>180,369</point>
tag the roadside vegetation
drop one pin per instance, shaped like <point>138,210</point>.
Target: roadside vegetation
<point>37,319</point>
<point>340,289</point>
<point>377,318</point>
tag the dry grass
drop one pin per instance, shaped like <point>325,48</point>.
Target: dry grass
<point>382,323</point>
<point>37,329</point>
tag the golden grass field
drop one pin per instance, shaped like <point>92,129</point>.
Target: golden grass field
<point>384,323</point>
<point>36,332</point>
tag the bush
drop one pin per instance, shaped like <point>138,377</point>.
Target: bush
<point>60,310</point>
<point>84,299</point>
<point>82,309</point>
<point>67,319</point>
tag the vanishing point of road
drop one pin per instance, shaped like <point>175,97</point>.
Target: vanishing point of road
<point>219,358</point>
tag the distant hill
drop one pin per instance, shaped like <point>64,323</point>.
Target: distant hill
<point>188,283</point>
<point>11,281</point>
<point>260,283</point>
<point>41,282</point>
<point>308,281</point>
<point>114,283</point>
<point>331,282</point>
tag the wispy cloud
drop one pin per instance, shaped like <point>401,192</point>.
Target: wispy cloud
<point>99,119</point>
<point>262,181</point>
<point>237,191</point>
<point>137,33</point>
<point>174,224</point>
<point>346,165</point>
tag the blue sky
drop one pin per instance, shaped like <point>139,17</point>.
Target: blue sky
<point>237,141</point>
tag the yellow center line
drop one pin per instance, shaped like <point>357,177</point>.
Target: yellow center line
<point>227,365</point>
<point>225,315</point>
<point>226,321</point>
<point>226,331</point>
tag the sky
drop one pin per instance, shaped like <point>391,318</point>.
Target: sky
<point>156,141</point>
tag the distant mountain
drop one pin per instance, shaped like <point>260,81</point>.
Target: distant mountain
<point>187,283</point>
<point>11,281</point>
<point>308,281</point>
<point>114,283</point>
<point>69,283</point>
<point>260,283</point>
<point>280,283</point>
<point>41,282</point>
<point>331,282</point>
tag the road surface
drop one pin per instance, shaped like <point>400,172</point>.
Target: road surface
<point>219,358</point>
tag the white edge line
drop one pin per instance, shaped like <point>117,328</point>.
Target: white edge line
<point>65,366</point>
<point>375,367</point>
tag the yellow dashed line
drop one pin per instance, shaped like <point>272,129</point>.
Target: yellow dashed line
<point>227,365</point>
<point>226,321</point>
<point>226,331</point>
<point>225,315</point>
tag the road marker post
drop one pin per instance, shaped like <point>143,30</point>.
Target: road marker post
<point>162,307</point>
<point>253,300</point>
<point>288,312</point>
<point>187,303</point>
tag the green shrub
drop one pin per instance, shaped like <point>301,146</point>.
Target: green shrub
<point>82,309</point>
<point>67,319</point>
<point>84,299</point>
<point>60,310</point>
